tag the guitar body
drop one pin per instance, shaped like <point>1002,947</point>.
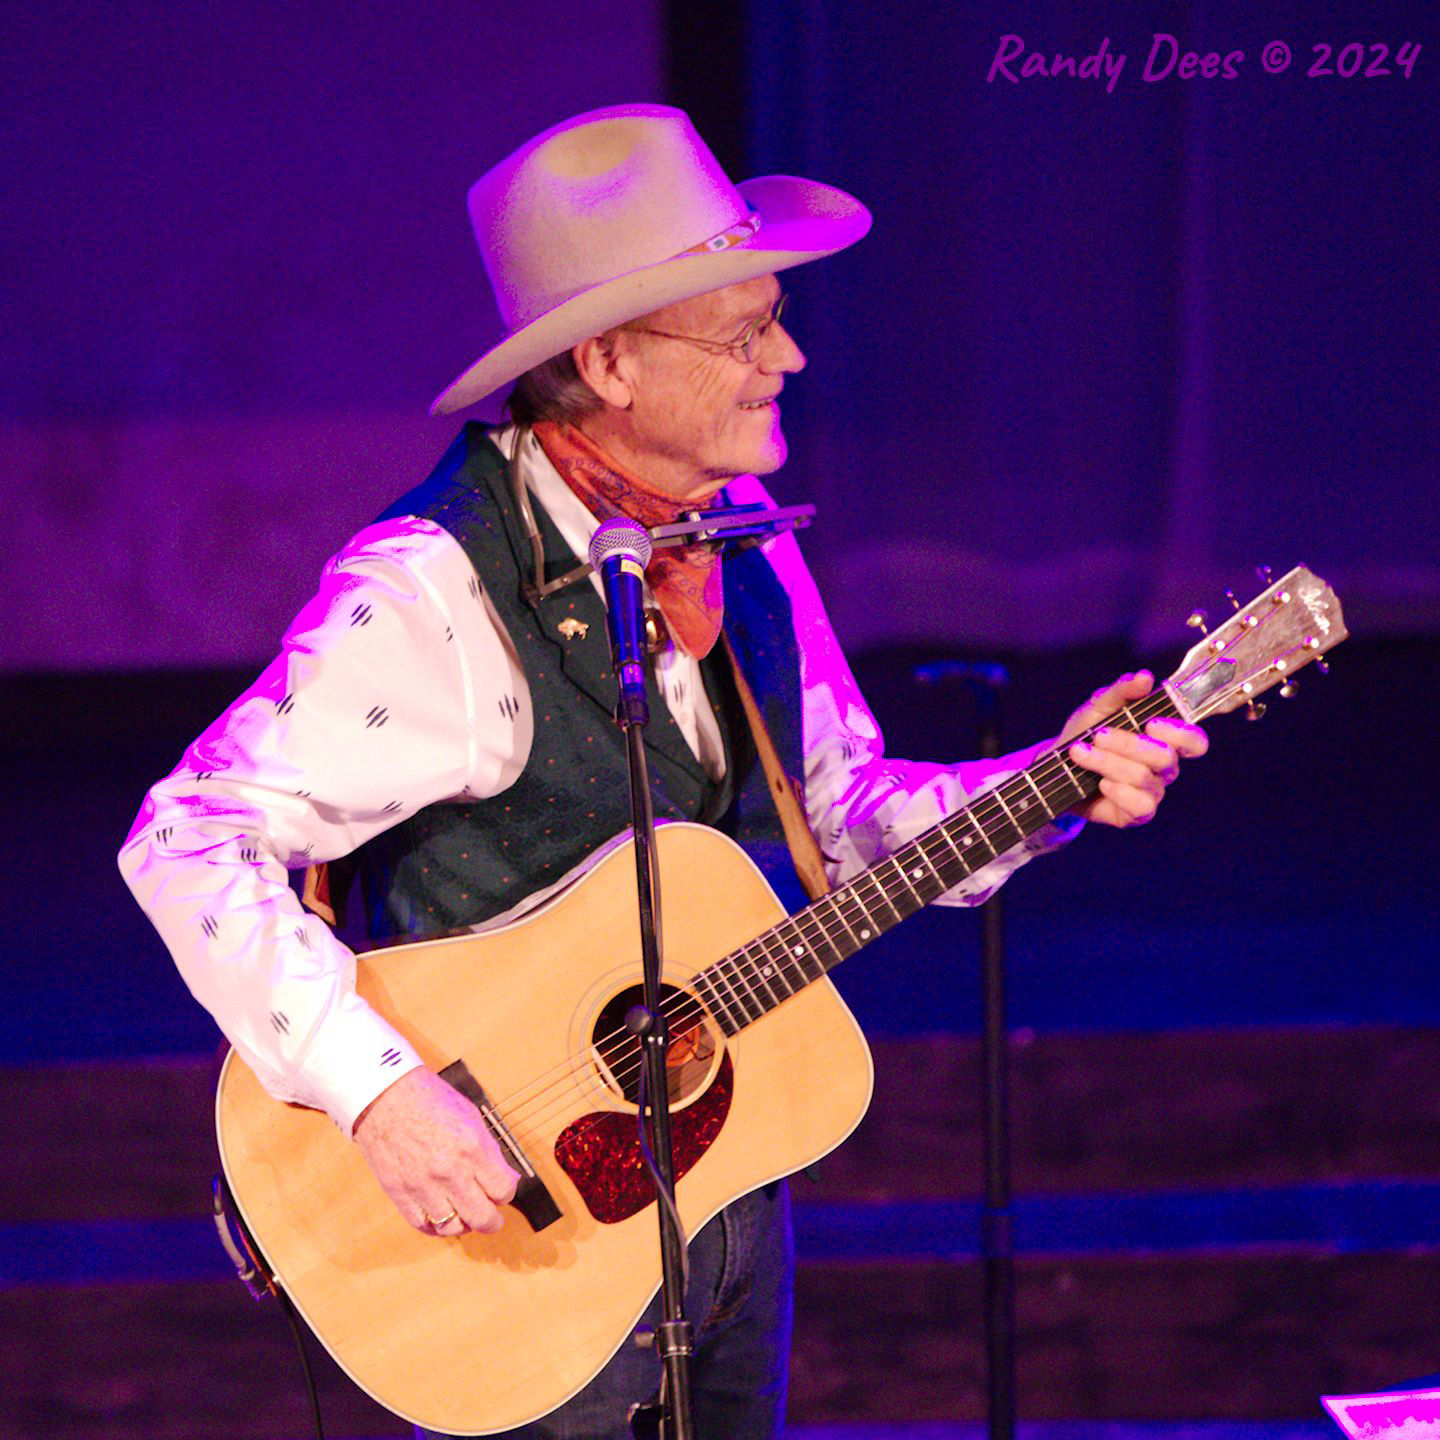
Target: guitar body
<point>482,1333</point>
<point>485,1332</point>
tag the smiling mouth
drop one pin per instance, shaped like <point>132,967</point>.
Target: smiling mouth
<point>764,404</point>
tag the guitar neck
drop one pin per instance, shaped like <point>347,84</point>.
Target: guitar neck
<point>751,981</point>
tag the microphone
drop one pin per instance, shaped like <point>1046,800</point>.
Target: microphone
<point>620,551</point>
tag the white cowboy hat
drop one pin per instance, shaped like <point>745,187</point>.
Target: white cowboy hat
<point>619,212</point>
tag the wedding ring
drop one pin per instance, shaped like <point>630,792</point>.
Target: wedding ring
<point>443,1221</point>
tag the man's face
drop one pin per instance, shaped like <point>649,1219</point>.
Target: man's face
<point>697,418</point>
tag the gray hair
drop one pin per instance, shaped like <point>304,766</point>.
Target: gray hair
<point>553,390</point>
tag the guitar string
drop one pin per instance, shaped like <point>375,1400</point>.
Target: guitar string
<point>685,1008</point>
<point>539,1112</point>
<point>831,927</point>
<point>1154,706</point>
<point>1048,762</point>
<point>743,966</point>
<point>743,963</point>
<point>1158,704</point>
<point>824,929</point>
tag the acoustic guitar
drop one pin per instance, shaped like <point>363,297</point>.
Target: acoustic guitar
<point>768,1071</point>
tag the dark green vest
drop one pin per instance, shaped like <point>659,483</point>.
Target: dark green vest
<point>455,864</point>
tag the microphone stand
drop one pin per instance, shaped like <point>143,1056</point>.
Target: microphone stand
<point>670,1415</point>
<point>997,1244</point>
<point>674,1338</point>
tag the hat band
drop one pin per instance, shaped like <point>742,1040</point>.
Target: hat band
<point>737,234</point>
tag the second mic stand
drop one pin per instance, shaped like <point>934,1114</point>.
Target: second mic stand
<point>985,681</point>
<point>674,1337</point>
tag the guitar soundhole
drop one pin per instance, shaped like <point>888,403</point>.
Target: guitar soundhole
<point>692,1054</point>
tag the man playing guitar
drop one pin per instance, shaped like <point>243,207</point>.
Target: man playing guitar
<point>437,712</point>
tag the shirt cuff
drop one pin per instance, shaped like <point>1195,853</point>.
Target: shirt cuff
<point>353,1058</point>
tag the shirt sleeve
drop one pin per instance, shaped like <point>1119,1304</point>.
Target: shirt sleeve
<point>861,804</point>
<point>383,700</point>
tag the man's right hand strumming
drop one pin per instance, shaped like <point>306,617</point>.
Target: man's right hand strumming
<point>434,1158</point>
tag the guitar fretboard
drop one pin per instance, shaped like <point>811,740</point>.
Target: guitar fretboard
<point>750,982</point>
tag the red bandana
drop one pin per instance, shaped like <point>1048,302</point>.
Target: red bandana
<point>685,579</point>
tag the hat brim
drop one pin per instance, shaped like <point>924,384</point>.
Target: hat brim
<point>801,220</point>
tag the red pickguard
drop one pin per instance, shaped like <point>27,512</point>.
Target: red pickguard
<point>600,1152</point>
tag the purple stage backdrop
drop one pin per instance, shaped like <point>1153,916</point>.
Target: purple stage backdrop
<point>238,268</point>
<point>1154,330</point>
<point>1115,338</point>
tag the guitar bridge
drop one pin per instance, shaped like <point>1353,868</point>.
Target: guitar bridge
<point>532,1198</point>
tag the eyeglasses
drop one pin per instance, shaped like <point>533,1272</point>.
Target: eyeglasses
<point>745,347</point>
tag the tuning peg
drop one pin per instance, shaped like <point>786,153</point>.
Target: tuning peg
<point>1311,643</point>
<point>1196,621</point>
<point>1262,572</point>
<point>1255,709</point>
<point>1230,596</point>
<point>1288,689</point>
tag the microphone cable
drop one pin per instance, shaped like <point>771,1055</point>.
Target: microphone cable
<point>293,1316</point>
<point>254,1273</point>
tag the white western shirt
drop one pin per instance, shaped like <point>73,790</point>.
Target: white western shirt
<point>387,697</point>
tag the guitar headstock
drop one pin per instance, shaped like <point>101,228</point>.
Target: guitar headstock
<point>1261,645</point>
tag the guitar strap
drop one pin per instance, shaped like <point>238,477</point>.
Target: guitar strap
<point>317,895</point>
<point>786,791</point>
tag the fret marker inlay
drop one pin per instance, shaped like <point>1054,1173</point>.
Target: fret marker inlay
<point>749,983</point>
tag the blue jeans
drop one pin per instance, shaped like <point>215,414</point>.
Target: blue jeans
<point>742,1267</point>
